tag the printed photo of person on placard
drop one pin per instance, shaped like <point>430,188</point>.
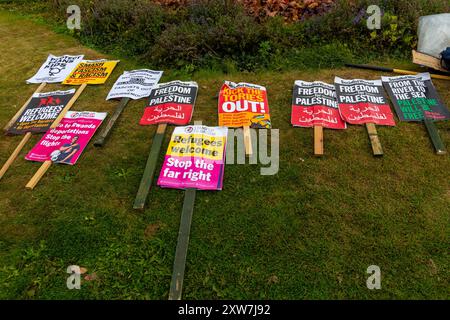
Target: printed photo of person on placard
<point>67,151</point>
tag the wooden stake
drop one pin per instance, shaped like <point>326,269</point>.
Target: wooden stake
<point>248,141</point>
<point>434,136</point>
<point>68,106</point>
<point>318,140</point>
<point>176,286</point>
<point>38,175</point>
<point>149,172</point>
<point>427,60</point>
<point>106,130</point>
<point>399,71</point>
<point>46,165</point>
<point>374,139</point>
<point>13,119</point>
<point>14,155</point>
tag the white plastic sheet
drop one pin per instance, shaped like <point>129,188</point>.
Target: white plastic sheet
<point>434,34</point>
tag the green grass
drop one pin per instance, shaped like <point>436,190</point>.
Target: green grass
<point>309,232</point>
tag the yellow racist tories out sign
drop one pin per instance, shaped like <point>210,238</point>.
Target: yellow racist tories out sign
<point>91,72</point>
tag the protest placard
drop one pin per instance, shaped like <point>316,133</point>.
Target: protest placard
<point>415,99</point>
<point>195,158</point>
<point>91,72</point>
<point>244,105</point>
<point>171,102</point>
<point>364,102</point>
<point>65,143</point>
<point>314,105</point>
<point>135,84</point>
<point>56,68</point>
<point>45,100</point>
<point>41,112</point>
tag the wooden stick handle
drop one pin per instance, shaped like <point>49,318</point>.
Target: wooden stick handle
<point>68,106</point>
<point>106,130</point>
<point>176,286</point>
<point>374,139</point>
<point>318,140</point>
<point>38,175</point>
<point>248,141</point>
<point>15,153</point>
<point>150,168</point>
<point>18,113</point>
<point>432,75</point>
<point>434,136</point>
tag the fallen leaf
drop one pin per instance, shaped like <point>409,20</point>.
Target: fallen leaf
<point>91,277</point>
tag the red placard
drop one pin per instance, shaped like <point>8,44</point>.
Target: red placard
<point>314,104</point>
<point>363,101</point>
<point>361,113</point>
<point>174,113</point>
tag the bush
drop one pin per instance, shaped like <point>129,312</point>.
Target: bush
<point>206,33</point>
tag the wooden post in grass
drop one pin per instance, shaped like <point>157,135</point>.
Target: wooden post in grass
<point>46,165</point>
<point>248,141</point>
<point>318,140</point>
<point>374,139</point>
<point>106,130</point>
<point>176,286</point>
<point>150,168</point>
<point>434,136</point>
<point>18,113</point>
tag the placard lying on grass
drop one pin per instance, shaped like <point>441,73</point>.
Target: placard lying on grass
<point>40,112</point>
<point>243,104</point>
<point>363,101</point>
<point>135,84</point>
<point>91,72</point>
<point>314,104</point>
<point>171,102</point>
<point>66,142</point>
<point>195,158</point>
<point>56,69</point>
<point>415,98</point>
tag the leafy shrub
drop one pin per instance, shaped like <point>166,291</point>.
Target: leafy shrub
<point>220,33</point>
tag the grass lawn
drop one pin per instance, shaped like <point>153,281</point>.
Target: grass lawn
<point>309,232</point>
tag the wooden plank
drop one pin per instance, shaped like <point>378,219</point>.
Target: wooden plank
<point>427,60</point>
<point>318,140</point>
<point>248,141</point>
<point>374,139</point>
<point>15,154</point>
<point>176,286</point>
<point>13,119</point>
<point>46,165</point>
<point>150,168</point>
<point>435,138</point>
<point>38,175</point>
<point>106,130</point>
<point>68,106</point>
